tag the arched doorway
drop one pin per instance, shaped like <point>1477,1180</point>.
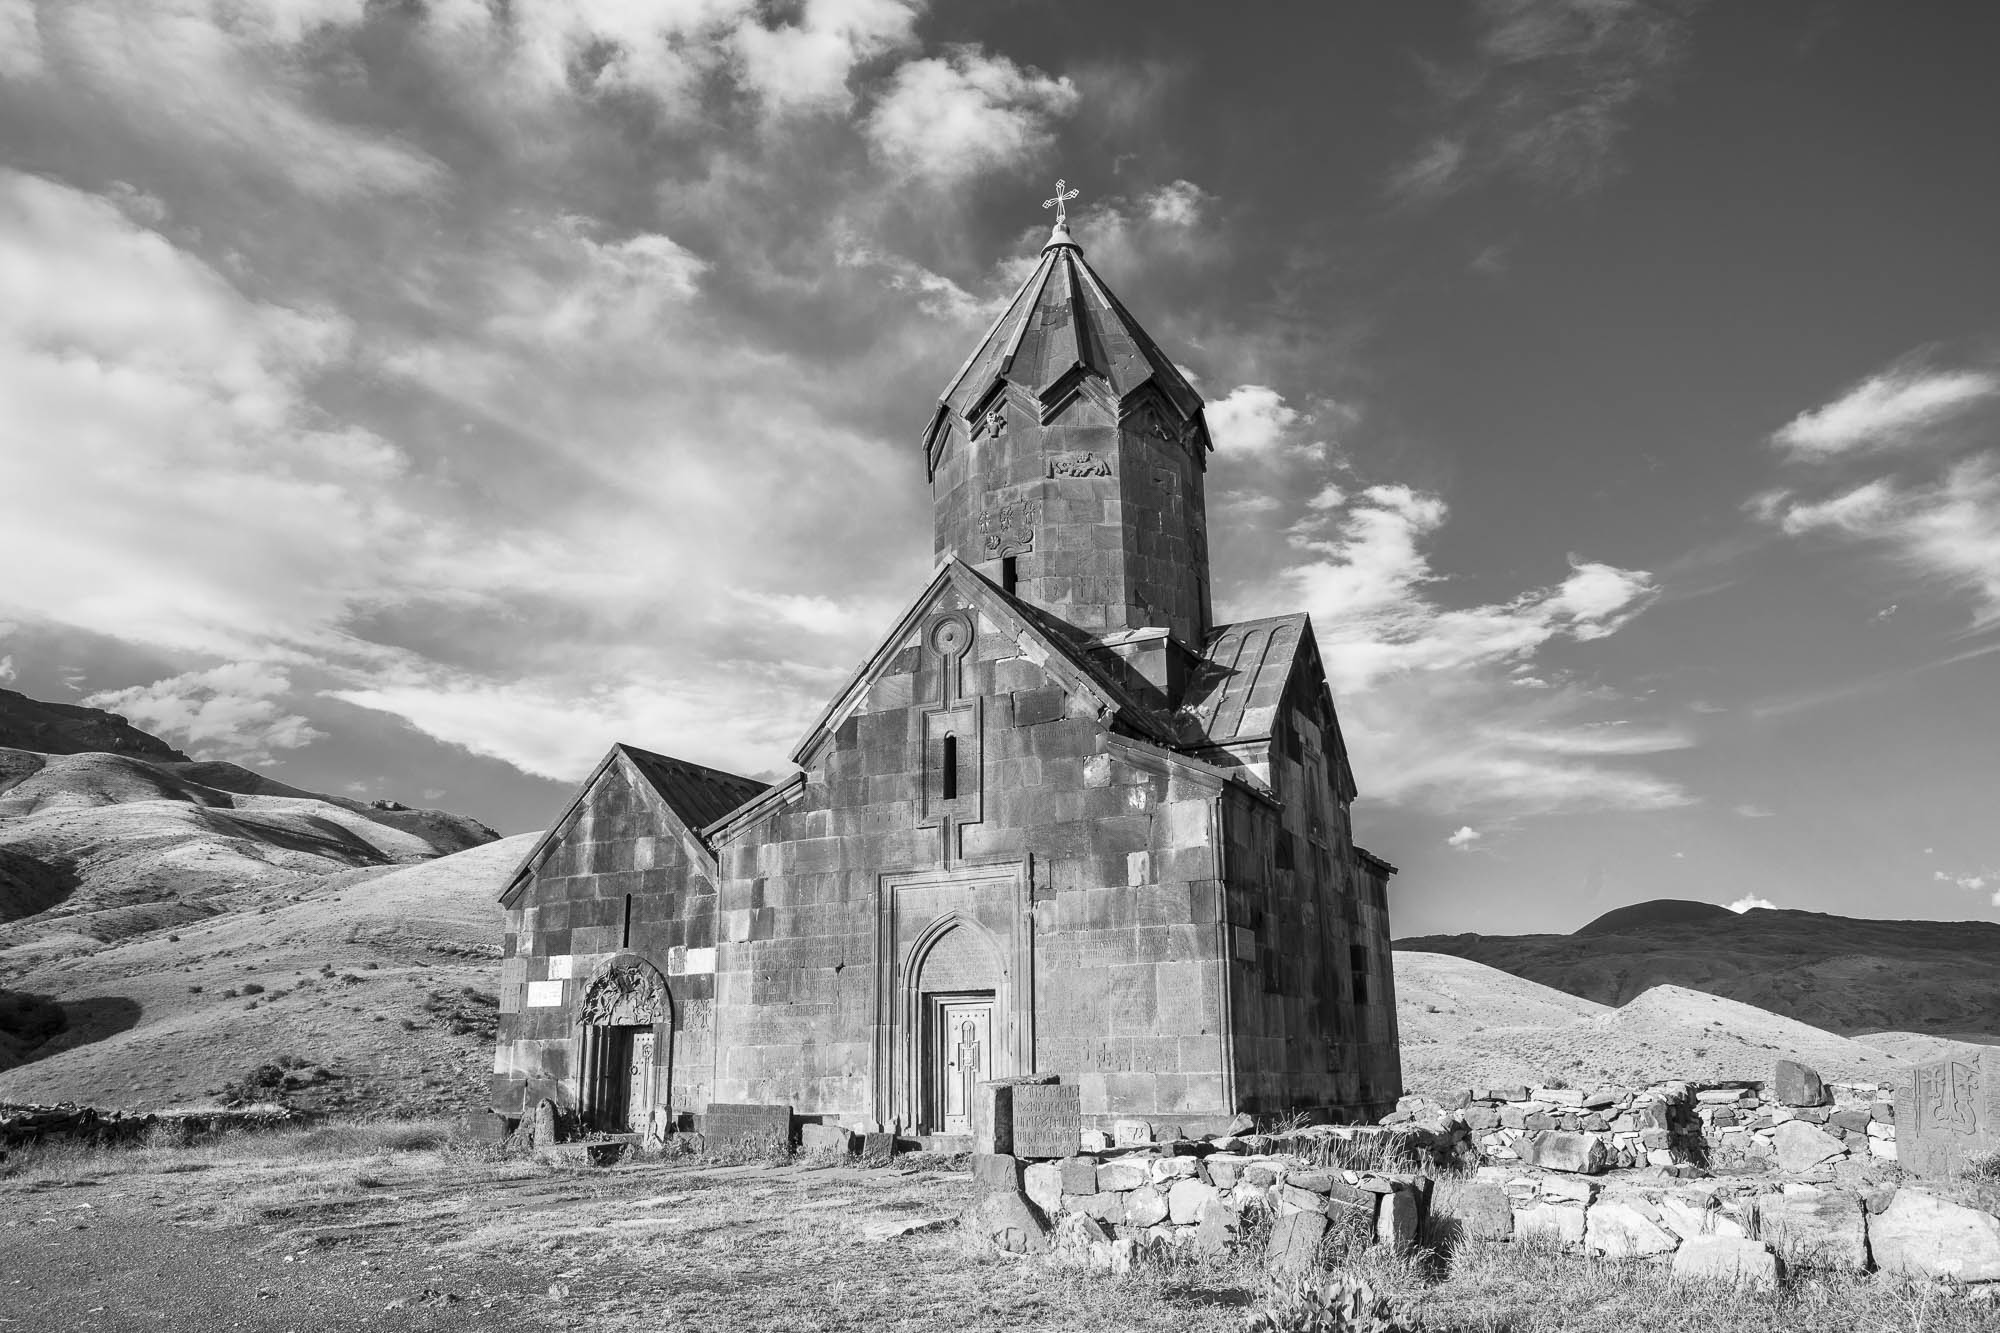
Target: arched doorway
<point>959,979</point>
<point>626,1043</point>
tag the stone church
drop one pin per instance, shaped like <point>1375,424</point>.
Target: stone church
<point>1060,822</point>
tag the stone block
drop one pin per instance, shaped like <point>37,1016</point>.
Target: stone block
<point>1586,1154</point>
<point>1079,1175</point>
<point>1801,1146</point>
<point>1688,1218</point>
<point>1727,1261</point>
<point>996,1171</point>
<point>826,1138</point>
<point>1186,1198</point>
<point>1043,1184</point>
<point>1217,1227</point>
<point>1290,1198</point>
<point>878,1148</point>
<point>1922,1236</point>
<point>1123,1173</point>
<point>1045,1120</point>
<point>1821,1230</point>
<point>747,1124</point>
<point>1559,1223</point>
<point>1485,1212</point>
<point>1293,1247</point>
<point>1006,1220</point>
<point>1132,1133</point>
<point>1396,1222</point>
<point>1623,1229</point>
<point>1947,1112</point>
<point>1794,1084</point>
<point>1144,1207</point>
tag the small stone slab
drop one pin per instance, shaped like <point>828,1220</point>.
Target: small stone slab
<point>1728,1261</point>
<point>1947,1113</point>
<point>1006,1220</point>
<point>1485,1212</point>
<point>1923,1236</point>
<point>750,1124</point>
<point>1794,1084</point>
<point>1801,1146</point>
<point>1823,1230</point>
<point>836,1139</point>
<point>1294,1243</point>
<point>1396,1222</point>
<point>877,1148</point>
<point>1585,1154</point>
<point>1622,1229</point>
<point>903,1227</point>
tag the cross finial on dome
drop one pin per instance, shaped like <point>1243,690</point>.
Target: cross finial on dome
<point>1063,196</point>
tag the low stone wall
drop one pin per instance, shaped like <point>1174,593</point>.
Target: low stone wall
<point>1669,1125</point>
<point>24,1124</point>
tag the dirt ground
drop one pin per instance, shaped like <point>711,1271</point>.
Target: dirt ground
<point>422,1241</point>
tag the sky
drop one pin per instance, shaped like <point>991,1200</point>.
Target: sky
<point>414,399</point>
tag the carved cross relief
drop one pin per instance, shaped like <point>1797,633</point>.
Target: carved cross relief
<point>953,742</point>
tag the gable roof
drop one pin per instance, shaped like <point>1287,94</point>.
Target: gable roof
<point>691,795</point>
<point>1053,651</point>
<point>1245,669</point>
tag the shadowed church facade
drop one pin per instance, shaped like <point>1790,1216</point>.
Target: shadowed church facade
<point>1060,822</point>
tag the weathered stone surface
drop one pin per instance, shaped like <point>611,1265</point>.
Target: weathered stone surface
<point>1688,1218</point>
<point>1319,1182</point>
<point>1186,1200</point>
<point>1921,1235</point>
<point>1727,1261</point>
<point>1569,1188</point>
<point>1005,1219</point>
<point>1553,1222</point>
<point>1586,1154</point>
<point>1126,1133</point>
<point>1947,1113</point>
<point>1216,1227</point>
<point>1125,1173</point>
<point>907,1226</point>
<point>996,1171</point>
<point>826,1138</point>
<point>1623,1229</point>
<point>1164,1170</point>
<point>1396,1222</point>
<point>1145,1206</point>
<point>1044,1120</point>
<point>1290,1199</point>
<point>1794,1084</point>
<point>1822,1230</point>
<point>1294,1244</point>
<point>1043,1184</point>
<point>1801,1146</point>
<point>544,1133</point>
<point>1079,1175</point>
<point>1486,1212</point>
<point>747,1124</point>
<point>878,1147</point>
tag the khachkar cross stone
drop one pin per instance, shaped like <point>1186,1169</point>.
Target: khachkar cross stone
<point>1063,196</point>
<point>968,1062</point>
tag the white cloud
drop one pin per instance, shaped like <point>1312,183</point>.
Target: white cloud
<point>1749,811</point>
<point>1328,496</point>
<point>1431,695</point>
<point>7,671</point>
<point>20,40</point>
<point>1251,419</point>
<point>1463,839</point>
<point>1176,205</point>
<point>227,712</point>
<point>946,119</point>
<point>1894,409</point>
<point>1750,900</point>
<point>807,64</point>
<point>1947,532</point>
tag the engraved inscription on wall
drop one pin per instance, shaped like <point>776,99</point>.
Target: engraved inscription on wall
<point>1047,1119</point>
<point>1079,465</point>
<point>1010,529</point>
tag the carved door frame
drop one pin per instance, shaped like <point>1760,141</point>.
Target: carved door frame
<point>916,909</point>
<point>625,995</point>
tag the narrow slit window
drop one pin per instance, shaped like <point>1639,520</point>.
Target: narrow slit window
<point>950,767</point>
<point>1010,574</point>
<point>625,940</point>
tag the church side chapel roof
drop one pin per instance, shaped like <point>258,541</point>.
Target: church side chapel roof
<point>1063,321</point>
<point>699,795</point>
<point>693,794</point>
<point>1236,691</point>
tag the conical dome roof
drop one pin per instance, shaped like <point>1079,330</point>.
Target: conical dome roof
<point>1062,324</point>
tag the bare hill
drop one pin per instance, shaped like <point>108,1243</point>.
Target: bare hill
<point>49,728</point>
<point>378,985</point>
<point>1465,1024</point>
<point>1838,973</point>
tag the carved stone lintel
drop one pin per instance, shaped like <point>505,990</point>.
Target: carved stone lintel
<point>626,995</point>
<point>1079,465</point>
<point>1010,529</point>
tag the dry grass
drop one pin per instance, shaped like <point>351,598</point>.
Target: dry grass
<point>661,1244</point>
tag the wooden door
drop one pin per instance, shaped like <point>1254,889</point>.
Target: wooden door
<point>639,1081</point>
<point>963,1059</point>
